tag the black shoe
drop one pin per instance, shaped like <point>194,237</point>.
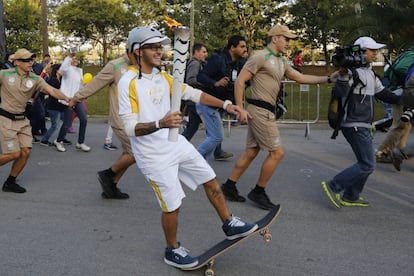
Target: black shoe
<point>232,194</point>
<point>117,194</point>
<point>223,156</point>
<point>13,188</point>
<point>397,160</point>
<point>35,140</point>
<point>46,144</point>
<point>66,142</point>
<point>106,183</point>
<point>261,199</point>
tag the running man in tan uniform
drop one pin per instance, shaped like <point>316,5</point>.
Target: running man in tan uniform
<point>17,86</point>
<point>265,70</point>
<point>110,75</point>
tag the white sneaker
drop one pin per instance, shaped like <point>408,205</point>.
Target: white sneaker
<point>83,147</point>
<point>59,146</point>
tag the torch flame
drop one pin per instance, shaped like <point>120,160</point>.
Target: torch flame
<point>171,23</point>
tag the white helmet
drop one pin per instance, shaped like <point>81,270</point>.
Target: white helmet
<point>139,36</point>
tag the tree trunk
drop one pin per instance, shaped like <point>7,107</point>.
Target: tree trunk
<point>44,29</point>
<point>3,46</point>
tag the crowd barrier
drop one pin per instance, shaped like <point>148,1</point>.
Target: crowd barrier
<point>302,102</point>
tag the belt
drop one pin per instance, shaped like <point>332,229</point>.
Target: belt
<point>11,116</point>
<point>262,104</point>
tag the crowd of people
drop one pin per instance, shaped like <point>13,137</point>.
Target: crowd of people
<point>140,117</point>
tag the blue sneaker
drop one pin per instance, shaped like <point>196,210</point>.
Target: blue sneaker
<point>235,228</point>
<point>178,257</point>
<point>110,146</point>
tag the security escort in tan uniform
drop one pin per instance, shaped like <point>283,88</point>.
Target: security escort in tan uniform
<point>110,75</point>
<point>17,86</point>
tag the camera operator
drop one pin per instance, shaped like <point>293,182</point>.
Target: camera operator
<point>346,187</point>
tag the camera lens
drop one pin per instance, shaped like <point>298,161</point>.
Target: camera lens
<point>407,116</point>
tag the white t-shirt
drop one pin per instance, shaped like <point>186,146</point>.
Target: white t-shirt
<point>147,100</point>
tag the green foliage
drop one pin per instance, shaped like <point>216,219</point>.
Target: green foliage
<point>106,22</point>
<point>22,23</point>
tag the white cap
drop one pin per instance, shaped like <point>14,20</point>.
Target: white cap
<point>368,43</point>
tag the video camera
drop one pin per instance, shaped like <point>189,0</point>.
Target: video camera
<point>349,57</point>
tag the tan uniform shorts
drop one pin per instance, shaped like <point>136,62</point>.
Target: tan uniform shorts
<point>262,130</point>
<point>15,135</point>
<point>124,140</point>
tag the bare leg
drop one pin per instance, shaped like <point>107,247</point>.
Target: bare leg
<point>269,166</point>
<point>169,222</point>
<point>216,197</point>
<point>243,163</point>
<point>6,158</point>
<point>121,165</point>
<point>20,162</point>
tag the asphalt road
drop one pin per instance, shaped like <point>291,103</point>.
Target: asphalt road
<point>62,226</point>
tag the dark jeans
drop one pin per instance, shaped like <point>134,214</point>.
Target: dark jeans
<point>194,122</point>
<point>37,118</point>
<point>352,180</point>
<point>67,120</point>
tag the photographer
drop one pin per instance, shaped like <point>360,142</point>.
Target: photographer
<point>361,82</point>
<point>393,148</point>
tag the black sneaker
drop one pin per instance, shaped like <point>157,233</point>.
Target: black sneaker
<point>66,142</point>
<point>46,144</point>
<point>261,199</point>
<point>106,183</point>
<point>397,160</point>
<point>223,156</point>
<point>35,140</point>
<point>232,194</point>
<point>117,194</point>
<point>13,188</point>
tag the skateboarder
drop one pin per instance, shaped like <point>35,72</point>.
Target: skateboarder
<point>144,107</point>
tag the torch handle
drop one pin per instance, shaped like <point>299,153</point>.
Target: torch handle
<point>181,42</point>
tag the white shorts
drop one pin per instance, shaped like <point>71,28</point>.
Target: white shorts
<point>190,170</point>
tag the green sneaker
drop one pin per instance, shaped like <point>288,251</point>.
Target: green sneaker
<point>360,202</point>
<point>333,197</point>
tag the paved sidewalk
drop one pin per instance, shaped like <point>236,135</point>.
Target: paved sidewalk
<point>62,226</point>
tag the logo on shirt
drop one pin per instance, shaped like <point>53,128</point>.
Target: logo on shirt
<point>29,84</point>
<point>12,80</point>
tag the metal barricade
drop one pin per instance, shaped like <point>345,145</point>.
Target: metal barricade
<point>302,102</point>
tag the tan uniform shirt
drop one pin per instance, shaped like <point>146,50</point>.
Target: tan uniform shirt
<point>268,71</point>
<point>16,89</point>
<point>109,75</point>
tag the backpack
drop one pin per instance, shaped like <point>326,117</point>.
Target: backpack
<point>407,97</point>
<point>396,73</point>
<point>336,109</point>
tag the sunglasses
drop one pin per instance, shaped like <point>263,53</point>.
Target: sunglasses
<point>152,47</point>
<point>26,59</point>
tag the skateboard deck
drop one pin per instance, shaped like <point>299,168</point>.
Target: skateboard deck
<point>208,257</point>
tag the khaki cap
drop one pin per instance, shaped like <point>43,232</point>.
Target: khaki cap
<point>23,54</point>
<point>281,30</point>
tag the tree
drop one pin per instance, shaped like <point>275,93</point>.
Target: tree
<point>22,21</point>
<point>104,22</point>
<point>314,21</point>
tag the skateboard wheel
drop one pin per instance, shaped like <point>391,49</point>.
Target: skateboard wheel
<point>267,237</point>
<point>209,272</point>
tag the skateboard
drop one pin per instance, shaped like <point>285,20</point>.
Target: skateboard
<point>208,257</point>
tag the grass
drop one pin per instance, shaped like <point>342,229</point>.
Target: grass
<point>302,106</point>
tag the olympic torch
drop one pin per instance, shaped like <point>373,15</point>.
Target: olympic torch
<point>181,42</point>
